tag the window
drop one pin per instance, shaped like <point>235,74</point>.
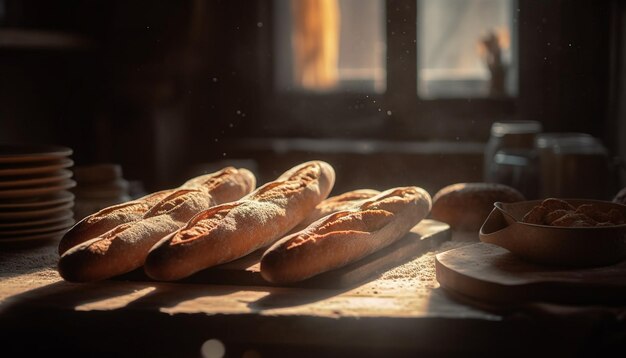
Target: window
<point>465,48</point>
<point>380,73</point>
<point>330,45</point>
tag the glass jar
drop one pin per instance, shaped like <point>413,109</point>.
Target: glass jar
<point>519,169</point>
<point>516,135</point>
<point>574,165</point>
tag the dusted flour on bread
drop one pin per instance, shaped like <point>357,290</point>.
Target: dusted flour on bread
<point>229,217</point>
<point>227,232</point>
<point>108,218</point>
<point>345,236</point>
<point>125,247</point>
<point>221,185</point>
<point>346,201</point>
<point>136,208</point>
<point>178,204</point>
<point>130,234</point>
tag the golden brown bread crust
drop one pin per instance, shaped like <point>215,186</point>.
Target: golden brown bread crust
<point>222,183</point>
<point>345,236</point>
<point>557,212</point>
<point>108,218</point>
<point>230,231</point>
<point>346,201</point>
<point>465,206</point>
<point>125,247</point>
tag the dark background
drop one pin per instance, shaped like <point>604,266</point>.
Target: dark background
<point>170,88</point>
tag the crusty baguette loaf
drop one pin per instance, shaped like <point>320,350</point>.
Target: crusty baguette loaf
<point>106,219</point>
<point>345,236</point>
<point>346,201</point>
<point>230,231</point>
<point>125,247</point>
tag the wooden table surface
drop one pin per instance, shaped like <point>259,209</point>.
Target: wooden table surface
<point>401,312</point>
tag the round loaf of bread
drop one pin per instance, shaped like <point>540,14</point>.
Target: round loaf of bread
<point>465,206</point>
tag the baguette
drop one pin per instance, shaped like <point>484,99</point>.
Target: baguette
<point>125,247</point>
<point>345,236</point>
<point>346,201</point>
<point>108,218</point>
<point>230,231</point>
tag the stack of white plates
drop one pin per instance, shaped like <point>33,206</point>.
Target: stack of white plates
<point>35,202</point>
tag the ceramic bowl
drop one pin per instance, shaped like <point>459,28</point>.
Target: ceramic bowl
<point>553,245</point>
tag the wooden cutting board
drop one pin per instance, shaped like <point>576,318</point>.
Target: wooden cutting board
<point>490,274</point>
<point>246,271</point>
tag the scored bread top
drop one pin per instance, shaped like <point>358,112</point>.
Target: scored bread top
<point>229,231</point>
<point>108,218</point>
<point>223,186</point>
<point>345,236</point>
<point>345,201</point>
<point>349,197</point>
<point>175,202</point>
<point>370,216</point>
<point>125,247</point>
<point>294,180</point>
<point>139,207</point>
<point>260,206</point>
<point>226,185</point>
<point>222,183</point>
<point>205,222</point>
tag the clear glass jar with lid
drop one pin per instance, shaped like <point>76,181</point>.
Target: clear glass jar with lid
<point>518,135</point>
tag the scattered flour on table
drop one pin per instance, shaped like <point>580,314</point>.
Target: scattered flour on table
<point>33,264</point>
<point>422,268</point>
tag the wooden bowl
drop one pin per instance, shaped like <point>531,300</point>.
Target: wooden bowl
<point>554,245</point>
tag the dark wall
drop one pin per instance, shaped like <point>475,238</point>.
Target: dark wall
<point>565,64</point>
<point>160,86</point>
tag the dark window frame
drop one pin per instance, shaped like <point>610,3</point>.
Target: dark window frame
<point>397,113</point>
<point>567,88</point>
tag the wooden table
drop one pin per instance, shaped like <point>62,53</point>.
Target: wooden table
<point>401,312</point>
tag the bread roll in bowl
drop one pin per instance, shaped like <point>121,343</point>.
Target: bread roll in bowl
<point>465,206</point>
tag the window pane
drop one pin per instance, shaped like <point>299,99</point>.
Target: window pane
<point>330,45</point>
<point>465,48</point>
